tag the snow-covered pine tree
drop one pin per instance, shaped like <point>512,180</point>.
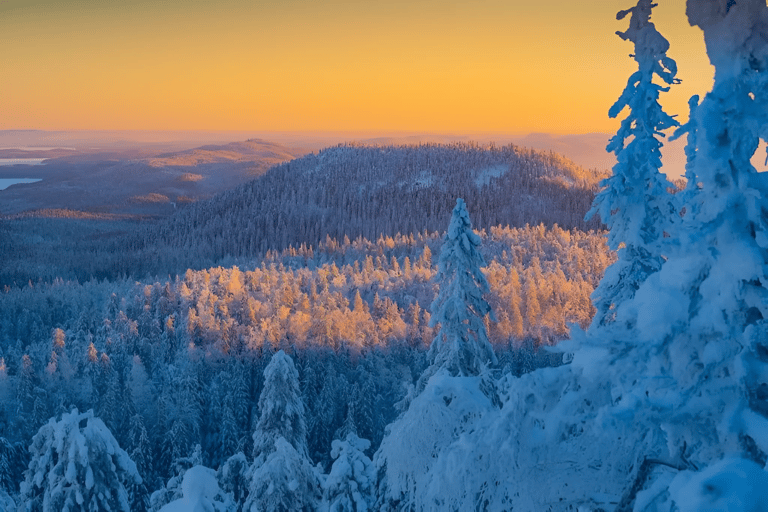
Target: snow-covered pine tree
<point>200,492</point>
<point>139,448</point>
<point>704,315</point>
<point>453,393</point>
<point>635,203</point>
<point>11,466</point>
<point>232,477</point>
<point>173,489</point>
<point>350,485</point>
<point>284,482</point>
<point>282,477</point>
<point>77,465</point>
<point>694,378</point>
<point>281,410</point>
<point>461,346</point>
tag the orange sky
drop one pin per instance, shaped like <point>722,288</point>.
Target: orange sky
<point>418,65</point>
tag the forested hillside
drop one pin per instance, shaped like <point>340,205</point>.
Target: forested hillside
<point>347,190</point>
<point>369,191</point>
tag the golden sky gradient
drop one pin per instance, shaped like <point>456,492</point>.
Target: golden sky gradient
<point>417,65</point>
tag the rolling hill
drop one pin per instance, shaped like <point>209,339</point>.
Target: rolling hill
<point>359,190</point>
<point>137,181</point>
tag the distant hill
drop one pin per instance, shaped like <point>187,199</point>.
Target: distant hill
<point>359,190</point>
<point>36,152</point>
<point>136,181</point>
<point>267,153</point>
<point>94,219</point>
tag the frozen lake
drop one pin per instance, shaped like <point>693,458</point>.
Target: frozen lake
<point>21,161</point>
<point>7,182</point>
<point>37,148</point>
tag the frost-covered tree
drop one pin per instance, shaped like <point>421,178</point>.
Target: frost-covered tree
<point>11,466</point>
<point>461,346</point>
<point>692,375</point>
<point>444,413</point>
<point>232,477</point>
<point>77,465</point>
<point>282,477</point>
<point>704,315</point>
<point>635,202</point>
<point>281,410</point>
<point>139,449</point>
<point>174,489</point>
<point>350,485</point>
<point>200,492</point>
<point>284,482</point>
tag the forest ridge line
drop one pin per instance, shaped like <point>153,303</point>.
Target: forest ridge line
<point>349,190</point>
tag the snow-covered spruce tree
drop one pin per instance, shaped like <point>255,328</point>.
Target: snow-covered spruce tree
<point>282,477</point>
<point>284,482</point>
<point>173,489</point>
<point>6,501</point>
<point>687,197</point>
<point>11,466</point>
<point>461,346</point>
<point>232,478</point>
<point>443,414</point>
<point>11,470</point>
<point>635,203</point>
<point>200,491</point>
<point>139,449</point>
<point>704,317</point>
<point>693,373</point>
<point>185,411</point>
<point>453,393</point>
<point>234,411</point>
<point>350,485</point>
<point>77,465</point>
<point>281,410</point>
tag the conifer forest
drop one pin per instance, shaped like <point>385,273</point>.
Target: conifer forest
<point>431,327</point>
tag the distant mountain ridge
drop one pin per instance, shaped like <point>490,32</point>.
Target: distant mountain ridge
<point>120,183</point>
<point>267,153</point>
<point>35,152</point>
<point>361,190</point>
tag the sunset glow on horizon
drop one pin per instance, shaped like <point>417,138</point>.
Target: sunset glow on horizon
<point>421,65</point>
